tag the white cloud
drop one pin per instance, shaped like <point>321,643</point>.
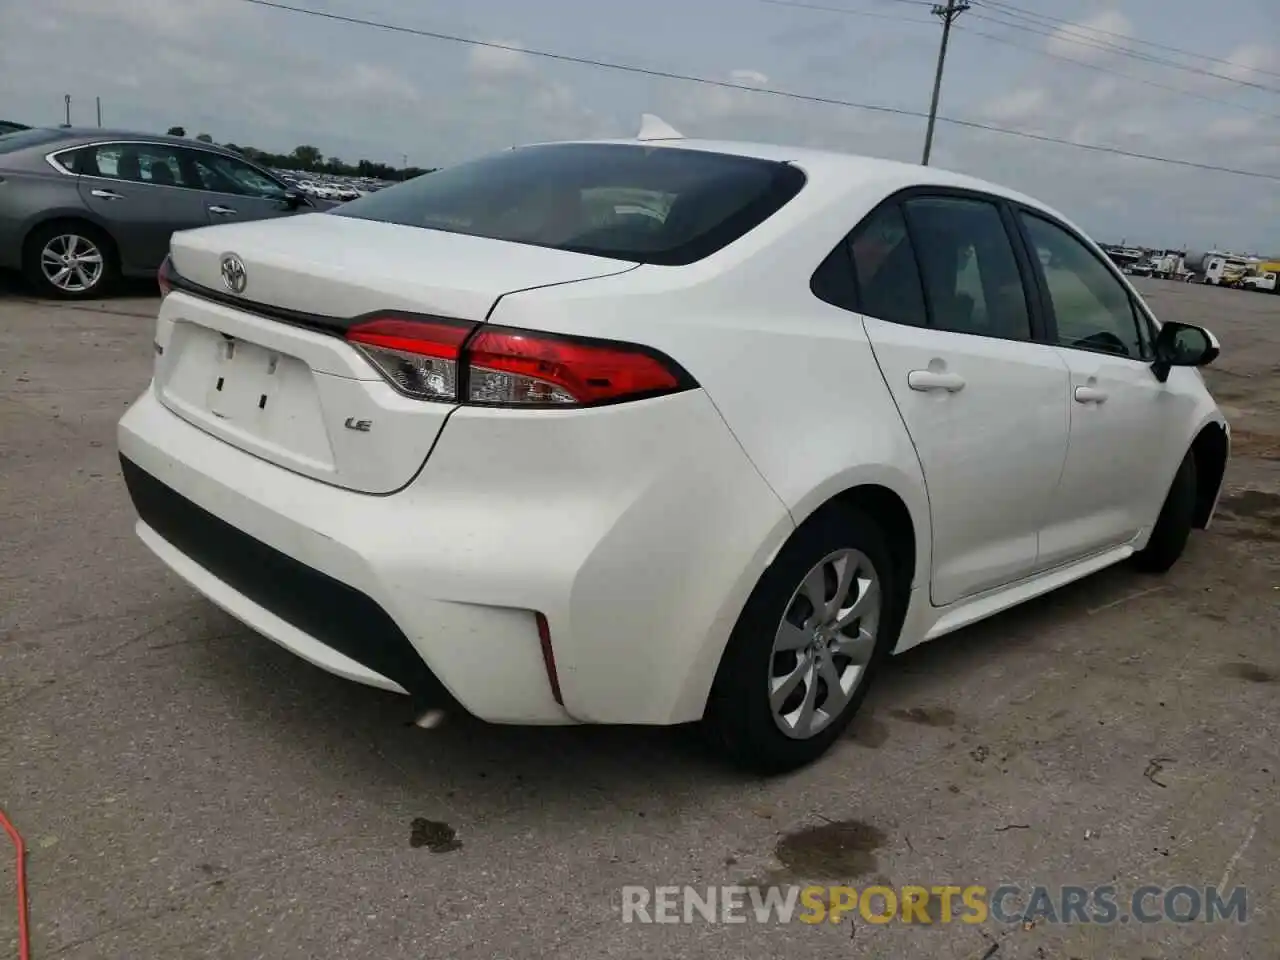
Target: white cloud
<point>1247,60</point>
<point>500,63</point>
<point>1018,104</point>
<point>1087,38</point>
<point>748,78</point>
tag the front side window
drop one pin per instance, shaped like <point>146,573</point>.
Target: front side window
<point>1092,308</point>
<point>971,274</point>
<point>663,205</point>
<point>221,174</point>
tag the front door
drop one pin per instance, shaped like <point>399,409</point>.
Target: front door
<point>236,190</point>
<point>949,320</point>
<point>1124,422</point>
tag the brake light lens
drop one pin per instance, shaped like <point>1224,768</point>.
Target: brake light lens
<point>164,277</point>
<point>419,358</point>
<point>440,359</point>
<point>507,366</point>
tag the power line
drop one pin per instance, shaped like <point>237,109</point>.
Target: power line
<point>854,13</point>
<point>1107,46</point>
<point>1117,73</point>
<point>730,85</point>
<point>1009,9</point>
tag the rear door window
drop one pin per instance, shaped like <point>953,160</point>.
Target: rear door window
<point>160,165</point>
<point>663,205</point>
<point>970,271</point>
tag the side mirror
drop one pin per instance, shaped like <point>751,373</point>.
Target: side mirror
<point>293,200</point>
<point>1183,345</point>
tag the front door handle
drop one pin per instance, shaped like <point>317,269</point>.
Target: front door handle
<point>1090,395</point>
<point>105,195</point>
<point>929,380</point>
<point>222,211</point>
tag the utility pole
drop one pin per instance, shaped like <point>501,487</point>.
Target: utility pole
<point>99,102</point>
<point>948,14</point>
<point>66,102</point>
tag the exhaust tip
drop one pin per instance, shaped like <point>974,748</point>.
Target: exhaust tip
<point>429,719</point>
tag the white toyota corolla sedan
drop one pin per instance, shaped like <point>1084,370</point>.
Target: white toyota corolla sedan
<point>659,431</point>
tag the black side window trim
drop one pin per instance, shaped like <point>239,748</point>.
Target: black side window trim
<point>1046,302</point>
<point>822,283</point>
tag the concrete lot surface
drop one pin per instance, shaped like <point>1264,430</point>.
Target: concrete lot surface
<point>188,789</point>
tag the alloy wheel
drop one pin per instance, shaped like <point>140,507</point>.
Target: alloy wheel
<point>72,263</point>
<point>824,643</point>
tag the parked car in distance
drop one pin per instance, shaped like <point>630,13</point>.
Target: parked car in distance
<point>79,208</point>
<point>492,439</point>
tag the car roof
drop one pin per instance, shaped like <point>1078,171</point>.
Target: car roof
<point>849,167</point>
<point>72,135</point>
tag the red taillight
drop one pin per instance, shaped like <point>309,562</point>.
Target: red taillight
<point>439,359</point>
<point>164,277</point>
<point>508,366</point>
<point>418,357</point>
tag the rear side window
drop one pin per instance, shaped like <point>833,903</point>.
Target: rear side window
<point>884,265</point>
<point>970,271</point>
<point>662,205</point>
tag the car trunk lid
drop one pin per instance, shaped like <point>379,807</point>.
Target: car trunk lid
<point>266,369</point>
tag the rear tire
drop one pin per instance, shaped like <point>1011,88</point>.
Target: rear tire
<point>1173,527</point>
<point>69,260</point>
<point>836,644</point>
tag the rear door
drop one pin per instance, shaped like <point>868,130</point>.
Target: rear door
<point>235,190</point>
<point>948,315</point>
<point>1126,425</point>
<point>140,192</point>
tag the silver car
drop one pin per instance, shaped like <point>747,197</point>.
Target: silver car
<point>81,208</point>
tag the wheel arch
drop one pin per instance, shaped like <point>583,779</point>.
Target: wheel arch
<point>69,216</point>
<point>887,500</point>
<point>1210,449</point>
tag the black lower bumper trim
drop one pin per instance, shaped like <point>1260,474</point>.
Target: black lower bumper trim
<point>335,614</point>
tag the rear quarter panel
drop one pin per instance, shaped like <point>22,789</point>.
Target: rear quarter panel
<point>28,199</point>
<point>793,377</point>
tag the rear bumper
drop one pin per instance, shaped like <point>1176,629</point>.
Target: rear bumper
<point>637,531</point>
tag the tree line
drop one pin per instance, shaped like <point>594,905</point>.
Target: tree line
<point>310,160</point>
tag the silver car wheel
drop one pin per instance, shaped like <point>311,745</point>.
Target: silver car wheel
<point>72,263</point>
<point>824,643</point>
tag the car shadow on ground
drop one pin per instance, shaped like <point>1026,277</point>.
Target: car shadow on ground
<point>345,730</point>
<point>13,286</point>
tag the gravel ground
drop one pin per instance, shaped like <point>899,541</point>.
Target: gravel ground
<point>190,790</point>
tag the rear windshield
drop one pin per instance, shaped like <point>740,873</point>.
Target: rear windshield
<point>660,205</point>
<point>21,139</point>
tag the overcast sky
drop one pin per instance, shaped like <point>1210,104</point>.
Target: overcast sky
<point>274,79</point>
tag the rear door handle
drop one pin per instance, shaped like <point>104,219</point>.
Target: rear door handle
<point>105,194</point>
<point>222,211</point>
<point>930,380</point>
<point>1090,395</point>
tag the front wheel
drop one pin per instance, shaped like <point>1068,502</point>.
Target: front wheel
<point>69,261</point>
<point>803,653</point>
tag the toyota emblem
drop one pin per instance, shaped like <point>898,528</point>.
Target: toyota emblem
<point>233,275</point>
